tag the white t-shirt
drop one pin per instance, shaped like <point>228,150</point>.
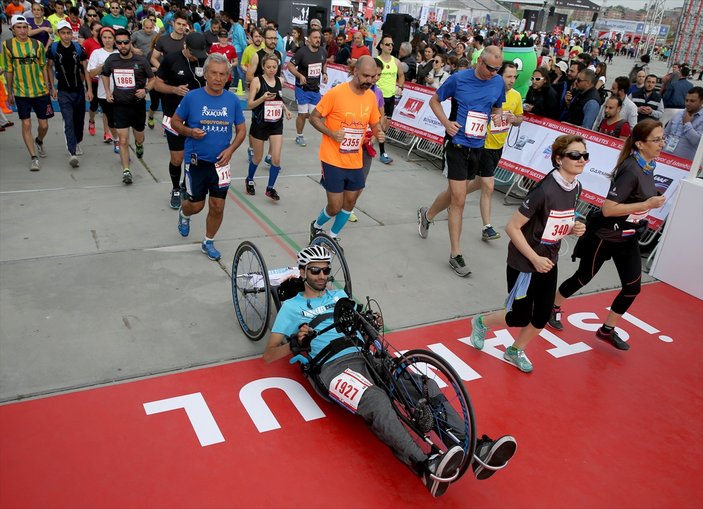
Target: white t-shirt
<point>97,58</point>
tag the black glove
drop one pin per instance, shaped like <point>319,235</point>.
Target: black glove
<point>297,346</point>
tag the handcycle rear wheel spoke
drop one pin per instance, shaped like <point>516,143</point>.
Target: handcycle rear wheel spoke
<point>251,291</point>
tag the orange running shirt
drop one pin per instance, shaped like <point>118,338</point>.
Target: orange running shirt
<point>343,109</point>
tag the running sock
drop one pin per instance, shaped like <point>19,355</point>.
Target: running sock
<point>606,329</point>
<point>273,174</point>
<point>38,141</point>
<point>174,171</point>
<point>339,221</point>
<point>480,321</point>
<point>382,147</point>
<point>207,239</point>
<point>252,171</point>
<point>322,218</point>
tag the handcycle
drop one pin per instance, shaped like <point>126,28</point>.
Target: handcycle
<point>425,391</point>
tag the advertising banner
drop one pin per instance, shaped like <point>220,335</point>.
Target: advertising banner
<point>414,115</point>
<point>528,152</point>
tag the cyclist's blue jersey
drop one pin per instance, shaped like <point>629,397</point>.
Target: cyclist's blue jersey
<point>299,310</point>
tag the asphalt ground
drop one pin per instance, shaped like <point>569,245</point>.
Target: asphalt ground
<point>97,286</point>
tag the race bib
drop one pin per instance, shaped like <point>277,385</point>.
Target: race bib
<point>636,217</point>
<point>223,175</point>
<point>502,127</point>
<point>166,124</point>
<point>352,140</point>
<point>273,111</point>
<point>476,125</point>
<point>314,70</point>
<point>347,389</point>
<point>559,225</point>
<point>124,78</point>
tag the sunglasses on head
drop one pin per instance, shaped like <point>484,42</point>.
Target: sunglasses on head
<point>575,156</point>
<point>315,271</point>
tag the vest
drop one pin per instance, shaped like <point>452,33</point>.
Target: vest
<point>575,114</point>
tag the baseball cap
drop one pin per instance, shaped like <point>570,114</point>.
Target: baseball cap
<point>18,18</point>
<point>196,44</point>
<point>315,22</point>
<point>63,24</point>
<point>563,66</point>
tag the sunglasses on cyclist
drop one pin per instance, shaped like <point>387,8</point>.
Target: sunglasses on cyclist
<point>575,156</point>
<point>315,271</point>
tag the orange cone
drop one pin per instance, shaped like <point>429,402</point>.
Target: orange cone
<point>3,98</point>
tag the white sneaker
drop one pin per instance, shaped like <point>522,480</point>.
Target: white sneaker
<point>79,150</point>
<point>74,162</point>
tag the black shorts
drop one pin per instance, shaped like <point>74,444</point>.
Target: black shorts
<point>488,162</point>
<point>175,143</point>
<point>40,105</point>
<point>201,180</point>
<point>263,131</point>
<point>461,163</point>
<point>108,111</point>
<point>130,115</point>
<point>388,106</point>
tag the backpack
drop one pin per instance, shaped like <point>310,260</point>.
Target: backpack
<point>35,46</point>
<point>618,127</point>
<point>52,51</point>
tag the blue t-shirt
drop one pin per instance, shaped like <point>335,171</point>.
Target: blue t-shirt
<point>299,310</point>
<point>213,114</point>
<point>469,93</point>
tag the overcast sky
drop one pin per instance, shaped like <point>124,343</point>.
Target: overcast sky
<point>635,4</point>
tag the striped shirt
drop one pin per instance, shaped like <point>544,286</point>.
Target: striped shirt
<point>26,61</point>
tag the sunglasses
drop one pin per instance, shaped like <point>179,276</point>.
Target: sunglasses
<point>122,43</point>
<point>575,156</point>
<point>91,15</point>
<point>490,67</point>
<point>315,271</point>
<point>536,78</point>
<point>388,44</point>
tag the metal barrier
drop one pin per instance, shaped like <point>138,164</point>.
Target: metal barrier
<point>398,137</point>
<point>503,177</point>
<point>428,148</point>
<point>521,184</point>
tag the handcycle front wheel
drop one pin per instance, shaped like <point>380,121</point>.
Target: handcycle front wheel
<point>340,278</point>
<point>251,290</point>
<point>433,404</point>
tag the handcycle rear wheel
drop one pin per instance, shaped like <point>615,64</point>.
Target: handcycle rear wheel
<point>251,290</point>
<point>340,278</point>
<point>437,420</point>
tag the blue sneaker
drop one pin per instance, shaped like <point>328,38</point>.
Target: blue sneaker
<point>208,247</point>
<point>183,223</point>
<point>116,147</point>
<point>250,154</point>
<point>478,332</point>
<point>268,159</point>
<point>300,141</point>
<point>386,159</point>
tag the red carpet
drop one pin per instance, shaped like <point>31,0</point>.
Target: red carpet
<point>596,427</point>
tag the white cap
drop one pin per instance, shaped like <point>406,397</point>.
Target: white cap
<point>18,18</point>
<point>563,66</point>
<point>64,24</point>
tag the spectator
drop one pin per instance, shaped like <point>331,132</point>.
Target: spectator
<point>425,68</point>
<point>574,69</point>
<point>683,132</point>
<point>584,102</point>
<point>613,124</point>
<point>677,90</point>
<point>344,53</point>
<point>601,72</point>
<point>438,75</point>
<point>541,98</point>
<point>648,101</point>
<point>407,61</point>
<point>629,109</point>
<point>675,74</point>
<point>329,44</point>
<point>642,66</point>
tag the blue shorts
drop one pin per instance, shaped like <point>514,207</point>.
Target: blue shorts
<point>337,180</point>
<point>201,180</point>
<point>306,96</point>
<point>40,105</point>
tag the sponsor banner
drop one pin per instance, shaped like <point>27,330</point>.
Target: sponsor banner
<point>528,152</point>
<point>414,115</point>
<point>336,74</point>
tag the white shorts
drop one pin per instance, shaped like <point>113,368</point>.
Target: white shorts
<point>306,108</point>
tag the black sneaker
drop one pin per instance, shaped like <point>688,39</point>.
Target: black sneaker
<point>442,469</point>
<point>612,338</point>
<point>314,231</point>
<point>175,199</point>
<point>250,187</point>
<point>554,321</point>
<point>492,455</point>
<point>271,193</point>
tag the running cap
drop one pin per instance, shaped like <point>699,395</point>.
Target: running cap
<point>64,24</point>
<point>197,45</point>
<point>18,18</point>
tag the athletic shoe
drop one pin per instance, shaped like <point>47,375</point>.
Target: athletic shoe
<point>250,154</point>
<point>139,149</point>
<point>40,148</point>
<point>268,159</point>
<point>34,165</point>
<point>183,223</point>
<point>116,147</point>
<point>79,150</point>
<point>493,454</point>
<point>107,138</point>
<point>91,128</point>
<point>554,321</point>
<point>300,141</point>
<point>126,177</point>
<point>208,247</point>
<point>7,124</point>
<point>478,333</point>
<point>271,193</point>
<point>442,469</point>
<point>175,199</point>
<point>73,161</point>
<point>518,359</point>
<point>353,218</point>
<point>457,263</point>
<point>612,338</point>
<point>386,159</point>
<point>150,122</point>
<point>489,233</point>
<point>314,231</point>
<point>2,129</point>
<point>250,187</point>
<point>423,224</point>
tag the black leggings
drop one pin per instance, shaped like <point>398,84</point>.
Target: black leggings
<point>594,253</point>
<point>536,307</point>
<point>94,102</point>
